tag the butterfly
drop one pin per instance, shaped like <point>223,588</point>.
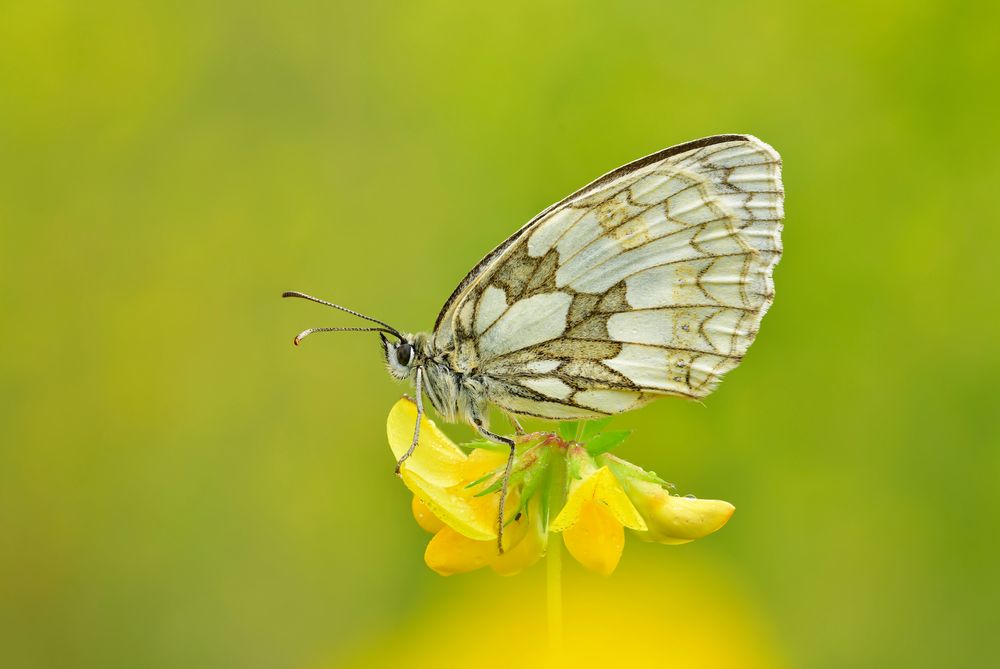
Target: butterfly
<point>650,281</point>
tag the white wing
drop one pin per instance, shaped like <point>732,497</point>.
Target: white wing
<point>650,281</point>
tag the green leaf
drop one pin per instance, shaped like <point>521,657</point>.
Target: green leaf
<point>593,427</point>
<point>603,443</point>
<point>486,446</point>
<point>482,479</point>
<point>516,477</point>
<point>492,489</point>
<point>568,430</point>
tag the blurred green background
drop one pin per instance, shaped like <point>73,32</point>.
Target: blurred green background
<point>179,486</point>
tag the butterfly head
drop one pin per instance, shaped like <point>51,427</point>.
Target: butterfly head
<point>401,357</point>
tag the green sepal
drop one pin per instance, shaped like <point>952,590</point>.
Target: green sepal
<point>485,445</point>
<point>495,487</point>
<point>623,469</point>
<point>604,442</point>
<point>524,472</point>
<point>534,472</point>
<point>543,503</point>
<point>482,479</point>
<point>579,464</point>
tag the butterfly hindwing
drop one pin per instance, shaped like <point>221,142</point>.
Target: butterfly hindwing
<point>650,281</point>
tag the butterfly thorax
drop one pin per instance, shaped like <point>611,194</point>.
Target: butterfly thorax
<point>450,381</point>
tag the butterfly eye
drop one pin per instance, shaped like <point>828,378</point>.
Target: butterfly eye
<point>404,354</point>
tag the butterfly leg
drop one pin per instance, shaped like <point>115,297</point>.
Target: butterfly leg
<point>518,430</point>
<point>420,414</point>
<point>506,477</point>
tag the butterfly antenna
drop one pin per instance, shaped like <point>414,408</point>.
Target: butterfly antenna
<point>387,328</point>
<point>305,333</point>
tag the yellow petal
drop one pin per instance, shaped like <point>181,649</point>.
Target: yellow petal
<point>475,517</point>
<point>596,539</point>
<point>610,493</point>
<point>438,472</point>
<point>424,516</point>
<point>601,487</point>
<point>677,520</point>
<point>436,459</point>
<point>524,554</point>
<point>580,493</point>
<point>481,462</point>
<point>452,553</point>
<point>528,542</point>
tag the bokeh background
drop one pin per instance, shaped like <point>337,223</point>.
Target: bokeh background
<point>179,486</point>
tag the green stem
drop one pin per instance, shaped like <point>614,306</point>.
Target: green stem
<point>553,559</point>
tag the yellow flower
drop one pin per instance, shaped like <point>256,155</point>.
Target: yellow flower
<point>445,503</point>
<point>455,499</point>
<point>669,519</point>
<point>595,514</point>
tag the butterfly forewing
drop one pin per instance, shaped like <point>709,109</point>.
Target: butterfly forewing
<point>650,281</point>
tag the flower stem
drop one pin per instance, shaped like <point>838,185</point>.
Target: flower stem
<point>553,559</point>
<point>553,597</point>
